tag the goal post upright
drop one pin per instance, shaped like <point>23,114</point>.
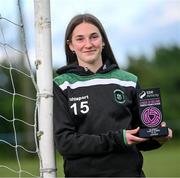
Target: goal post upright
<point>44,73</point>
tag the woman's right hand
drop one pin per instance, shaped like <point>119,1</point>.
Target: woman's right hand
<point>132,138</point>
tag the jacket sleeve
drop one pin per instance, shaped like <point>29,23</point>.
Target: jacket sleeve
<point>147,145</point>
<point>71,143</point>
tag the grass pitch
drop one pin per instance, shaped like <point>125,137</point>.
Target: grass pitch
<point>163,162</point>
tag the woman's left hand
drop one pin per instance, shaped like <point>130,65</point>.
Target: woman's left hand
<point>162,140</point>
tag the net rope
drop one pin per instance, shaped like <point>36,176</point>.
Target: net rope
<point>7,65</point>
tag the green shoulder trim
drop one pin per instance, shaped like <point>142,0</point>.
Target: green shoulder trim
<point>64,77</point>
<point>123,75</point>
<point>116,74</point>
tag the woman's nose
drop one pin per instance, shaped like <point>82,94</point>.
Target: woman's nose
<point>88,43</point>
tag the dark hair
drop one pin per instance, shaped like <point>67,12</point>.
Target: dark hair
<point>107,53</point>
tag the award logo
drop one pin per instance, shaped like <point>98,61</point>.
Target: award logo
<point>151,117</point>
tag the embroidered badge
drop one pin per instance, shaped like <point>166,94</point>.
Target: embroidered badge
<point>119,96</point>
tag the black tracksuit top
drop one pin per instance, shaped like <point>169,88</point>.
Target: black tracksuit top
<point>91,112</point>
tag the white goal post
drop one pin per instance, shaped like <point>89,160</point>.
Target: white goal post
<point>45,85</point>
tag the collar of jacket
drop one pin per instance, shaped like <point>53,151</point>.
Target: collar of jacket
<point>83,71</point>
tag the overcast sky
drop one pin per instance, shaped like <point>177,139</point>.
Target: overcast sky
<point>133,27</point>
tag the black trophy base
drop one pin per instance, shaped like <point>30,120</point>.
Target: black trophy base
<point>153,132</point>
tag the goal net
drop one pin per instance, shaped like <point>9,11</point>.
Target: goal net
<point>23,137</point>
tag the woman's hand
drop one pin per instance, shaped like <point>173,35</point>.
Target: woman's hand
<point>131,137</point>
<point>162,140</point>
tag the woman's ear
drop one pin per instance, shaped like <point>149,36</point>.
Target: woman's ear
<point>70,45</point>
<point>103,44</point>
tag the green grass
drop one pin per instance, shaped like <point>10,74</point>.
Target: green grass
<point>30,165</point>
<point>163,162</point>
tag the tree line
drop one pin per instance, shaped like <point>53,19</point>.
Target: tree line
<point>161,70</point>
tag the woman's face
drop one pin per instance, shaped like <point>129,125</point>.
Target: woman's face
<point>87,43</point>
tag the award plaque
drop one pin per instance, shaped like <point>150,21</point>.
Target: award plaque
<point>150,112</point>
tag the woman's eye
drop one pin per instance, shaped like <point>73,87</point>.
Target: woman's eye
<point>79,39</point>
<point>94,36</point>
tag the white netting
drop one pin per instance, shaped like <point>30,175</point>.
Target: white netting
<point>18,102</point>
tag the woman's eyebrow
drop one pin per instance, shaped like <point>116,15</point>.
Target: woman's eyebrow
<point>77,36</point>
<point>93,33</point>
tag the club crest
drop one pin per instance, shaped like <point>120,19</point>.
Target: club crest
<point>119,96</point>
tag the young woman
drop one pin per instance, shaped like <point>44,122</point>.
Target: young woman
<point>95,108</point>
